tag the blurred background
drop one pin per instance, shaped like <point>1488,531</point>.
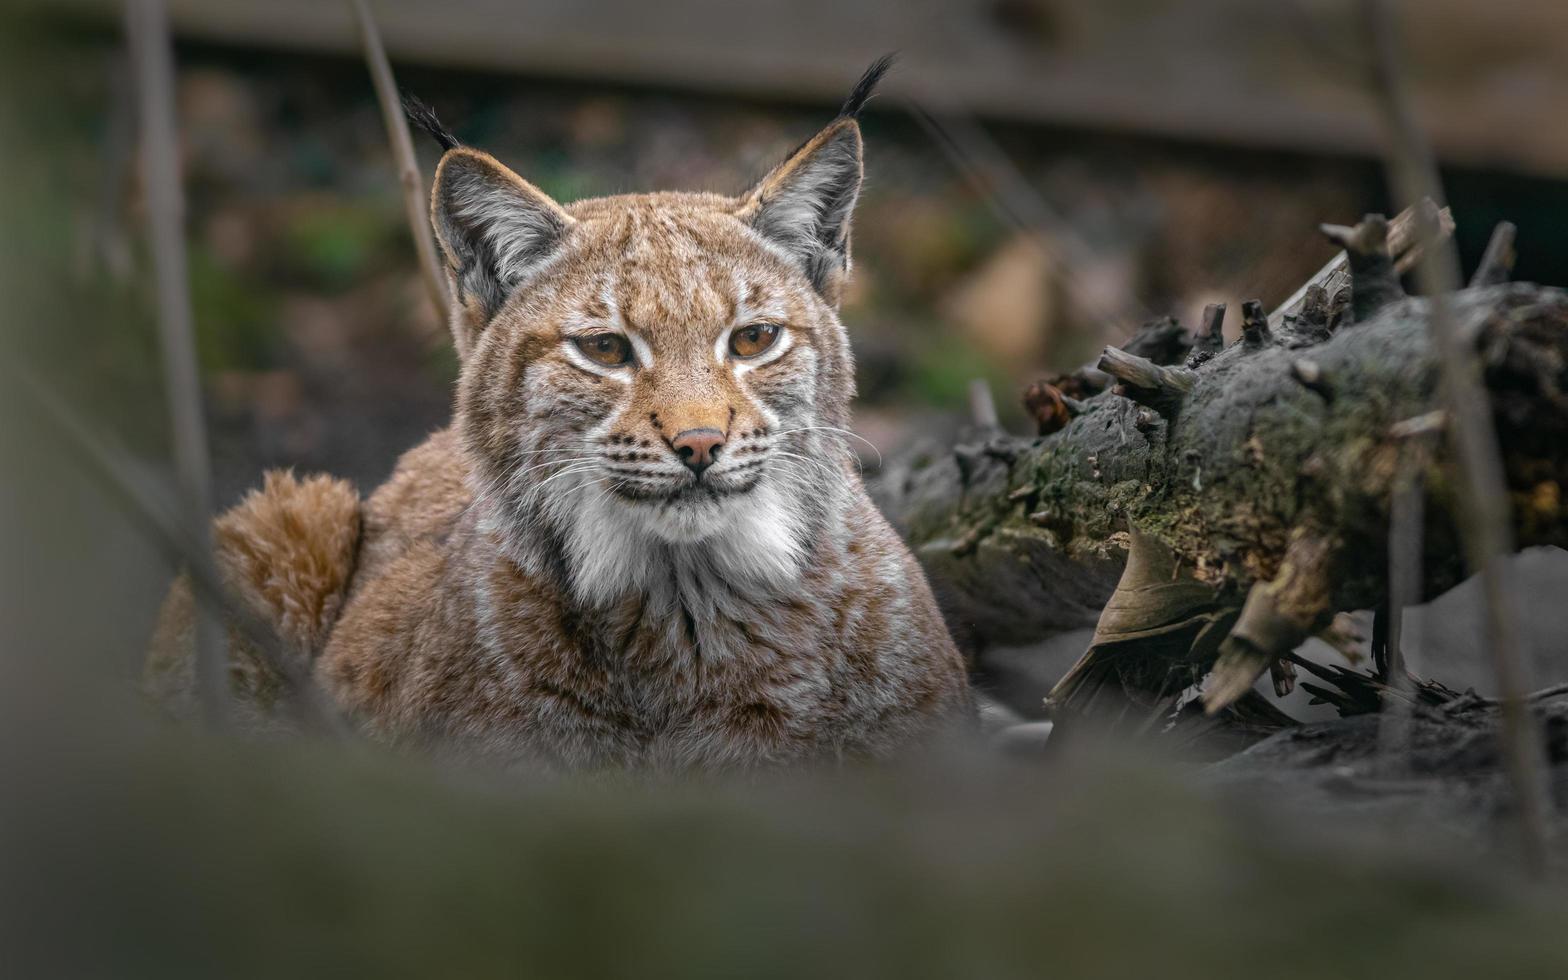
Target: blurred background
<point>1043,175</point>
<point>1097,164</point>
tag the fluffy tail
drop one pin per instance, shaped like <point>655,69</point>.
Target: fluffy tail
<point>286,552</point>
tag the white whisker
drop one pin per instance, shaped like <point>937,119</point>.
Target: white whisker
<point>574,469</point>
<point>823,469</point>
<point>553,462</point>
<point>547,452</point>
<point>835,429</point>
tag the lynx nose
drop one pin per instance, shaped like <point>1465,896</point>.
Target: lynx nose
<point>698,448</point>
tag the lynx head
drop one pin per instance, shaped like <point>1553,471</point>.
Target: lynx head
<point>657,371</point>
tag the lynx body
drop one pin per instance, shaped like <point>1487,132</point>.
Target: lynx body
<point>643,541</point>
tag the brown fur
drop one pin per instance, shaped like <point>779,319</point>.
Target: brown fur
<point>547,580</point>
<point>287,551</point>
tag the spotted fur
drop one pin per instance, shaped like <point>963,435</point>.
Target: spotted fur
<point>548,580</point>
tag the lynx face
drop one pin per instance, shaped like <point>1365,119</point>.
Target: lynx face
<point>656,376</point>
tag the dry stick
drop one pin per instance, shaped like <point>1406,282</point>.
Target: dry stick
<point>152,56</point>
<point>163,524</point>
<point>1485,513</point>
<point>414,201</point>
<point>1017,203</point>
<point>1407,511</point>
<point>1160,387</point>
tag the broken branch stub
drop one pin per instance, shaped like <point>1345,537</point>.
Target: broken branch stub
<point>1497,262</point>
<point>1210,337</point>
<point>1404,243</point>
<point>1160,387</point>
<point>1277,616</point>
<point>1255,330</point>
<point>1373,282</point>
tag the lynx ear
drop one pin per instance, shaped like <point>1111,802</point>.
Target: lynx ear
<point>495,228</point>
<point>806,203</point>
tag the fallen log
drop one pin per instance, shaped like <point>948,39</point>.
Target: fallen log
<point>1254,479</point>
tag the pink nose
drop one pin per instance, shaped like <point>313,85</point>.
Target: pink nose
<point>698,448</point>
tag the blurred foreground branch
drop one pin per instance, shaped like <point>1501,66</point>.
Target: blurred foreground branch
<point>169,529</point>
<point>152,57</point>
<point>1485,522</point>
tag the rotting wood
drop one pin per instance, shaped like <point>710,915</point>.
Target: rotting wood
<point>1272,478</point>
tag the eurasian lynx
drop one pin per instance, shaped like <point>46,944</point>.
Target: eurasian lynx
<point>643,541</point>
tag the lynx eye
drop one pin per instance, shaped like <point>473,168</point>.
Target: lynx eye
<point>753,340</point>
<point>607,349</point>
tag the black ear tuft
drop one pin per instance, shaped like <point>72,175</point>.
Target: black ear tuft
<point>425,118</point>
<point>866,86</point>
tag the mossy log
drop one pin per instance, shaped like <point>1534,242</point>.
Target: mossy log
<point>1256,476</point>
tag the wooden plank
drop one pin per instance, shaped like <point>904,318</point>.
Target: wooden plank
<point>1492,78</point>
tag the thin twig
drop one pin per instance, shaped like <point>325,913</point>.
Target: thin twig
<point>1486,523</point>
<point>152,56</point>
<point>165,527</point>
<point>1407,511</point>
<point>415,202</point>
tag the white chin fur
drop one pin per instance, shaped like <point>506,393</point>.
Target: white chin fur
<point>617,547</point>
<point>691,521</point>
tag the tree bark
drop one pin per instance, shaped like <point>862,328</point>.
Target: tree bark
<point>1266,469</point>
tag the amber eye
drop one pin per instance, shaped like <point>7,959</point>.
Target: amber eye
<point>753,340</point>
<point>608,349</point>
